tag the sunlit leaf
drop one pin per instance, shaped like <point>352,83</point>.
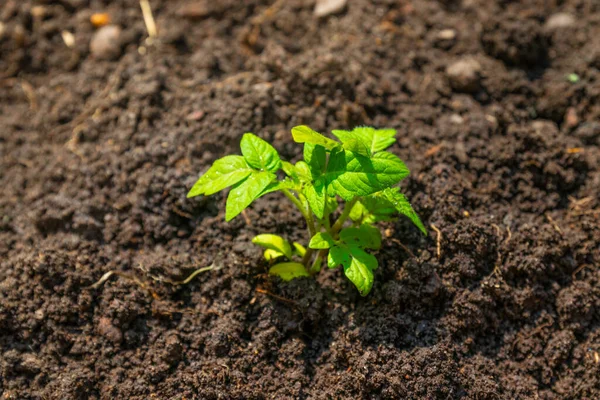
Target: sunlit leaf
<point>272,254</point>
<point>273,242</point>
<point>349,174</point>
<point>259,154</point>
<point>288,270</point>
<point>365,236</point>
<point>403,206</point>
<point>321,240</point>
<point>244,193</point>
<point>303,134</point>
<point>225,172</point>
<point>299,249</point>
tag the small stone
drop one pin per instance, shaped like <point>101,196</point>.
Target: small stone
<point>560,21</point>
<point>544,128</point>
<point>31,363</point>
<point>446,34</point>
<point>194,10</point>
<point>195,115</point>
<point>492,120</point>
<point>464,75</point>
<point>262,88</point>
<point>456,119</point>
<point>324,8</point>
<point>39,314</point>
<point>445,39</point>
<point>38,12</point>
<point>100,19</point>
<point>571,118</point>
<point>109,331</point>
<point>105,43</point>
<point>68,38</point>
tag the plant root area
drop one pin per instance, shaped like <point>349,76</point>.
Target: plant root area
<point>105,129</point>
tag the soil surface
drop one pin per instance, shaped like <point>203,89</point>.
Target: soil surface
<point>497,105</point>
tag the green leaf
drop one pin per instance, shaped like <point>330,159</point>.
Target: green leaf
<point>316,158</point>
<point>338,255</point>
<point>358,265</point>
<point>374,208</point>
<point>321,240</point>
<point>360,270</point>
<point>288,168</point>
<point>358,212</point>
<point>315,195</point>
<point>382,206</point>
<point>332,203</point>
<point>299,172</point>
<point>372,139</point>
<point>278,185</point>
<point>365,236</point>
<point>244,193</point>
<point>358,147</point>
<point>259,154</point>
<point>224,172</point>
<point>274,242</point>
<point>349,174</point>
<point>303,134</point>
<point>403,206</point>
<point>272,254</point>
<point>353,143</point>
<point>288,270</point>
<point>381,138</point>
<point>303,171</point>
<point>299,249</point>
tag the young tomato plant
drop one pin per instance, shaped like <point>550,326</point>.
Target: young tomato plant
<point>355,169</point>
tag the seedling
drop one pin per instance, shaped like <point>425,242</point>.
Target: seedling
<point>573,78</point>
<point>355,170</point>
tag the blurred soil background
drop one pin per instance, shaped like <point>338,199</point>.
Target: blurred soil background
<point>103,129</point>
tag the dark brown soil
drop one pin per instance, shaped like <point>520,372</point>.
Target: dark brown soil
<point>98,154</point>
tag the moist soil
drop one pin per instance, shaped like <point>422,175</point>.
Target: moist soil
<point>98,150</point>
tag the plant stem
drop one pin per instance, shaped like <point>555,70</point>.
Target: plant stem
<point>310,224</point>
<point>326,221</point>
<point>306,214</point>
<point>337,226</point>
<point>294,200</point>
<point>316,266</point>
<point>307,257</point>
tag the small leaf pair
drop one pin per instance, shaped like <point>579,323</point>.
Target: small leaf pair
<point>277,247</point>
<point>249,175</point>
<point>382,206</point>
<point>349,251</point>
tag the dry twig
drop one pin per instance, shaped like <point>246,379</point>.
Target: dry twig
<point>403,246</point>
<point>148,18</point>
<point>185,281</point>
<point>554,224</point>
<point>246,218</point>
<point>266,292</point>
<point>578,270</point>
<point>107,275</point>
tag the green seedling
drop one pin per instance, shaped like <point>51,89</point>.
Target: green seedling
<point>573,78</point>
<point>354,170</point>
